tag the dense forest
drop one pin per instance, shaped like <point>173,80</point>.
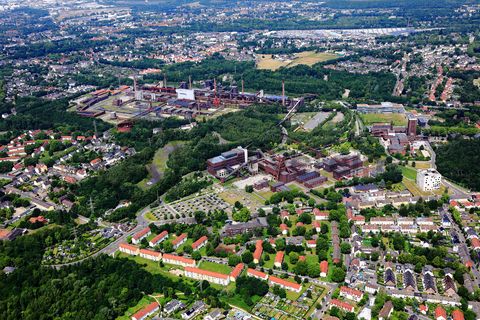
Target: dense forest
<point>100,288</point>
<point>458,160</point>
<point>34,113</point>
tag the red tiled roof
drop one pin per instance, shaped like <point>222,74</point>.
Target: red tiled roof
<point>319,213</point>
<point>179,239</point>
<point>351,291</point>
<point>475,243</point>
<point>256,273</point>
<point>283,226</point>
<point>128,246</point>
<point>142,313</point>
<point>285,283</point>
<point>324,266</point>
<point>457,315</point>
<point>279,257</point>
<point>167,256</point>
<point>440,312</point>
<point>150,252</point>
<point>237,270</point>
<point>159,237</point>
<point>197,243</point>
<point>341,304</point>
<point>207,273</point>
<point>141,233</point>
<point>258,250</point>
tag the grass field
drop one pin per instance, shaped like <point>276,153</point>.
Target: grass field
<point>216,267</point>
<point>409,173</point>
<point>371,118</point>
<point>309,58</point>
<point>159,162</point>
<point>423,165</point>
<point>151,217</point>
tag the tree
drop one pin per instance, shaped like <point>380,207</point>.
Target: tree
<point>249,188</point>
<point>233,260</point>
<point>247,257</point>
<point>242,215</point>
<point>168,247</point>
<point>338,274</point>
<point>199,216</point>
<point>196,256</point>
<point>293,257</point>
<point>345,248</point>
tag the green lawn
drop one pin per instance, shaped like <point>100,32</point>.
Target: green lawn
<point>152,266</point>
<point>396,118</point>
<point>409,173</point>
<point>216,267</point>
<point>237,301</point>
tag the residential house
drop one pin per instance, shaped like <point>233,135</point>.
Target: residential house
<point>210,276</point>
<point>200,243</point>
<point>288,285</point>
<point>257,274</point>
<point>150,255</point>
<point>440,313</point>
<point>178,241</point>
<point>257,254</point>
<point>351,293</point>
<point>158,238</point>
<point>342,305</point>
<point>323,268</point>
<point>279,259</point>
<point>128,249</point>
<point>178,260</point>
<point>386,311</point>
<point>236,271</point>
<point>139,236</point>
<point>146,312</point>
<point>197,308</point>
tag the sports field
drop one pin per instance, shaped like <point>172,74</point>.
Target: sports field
<point>396,118</point>
<point>309,58</point>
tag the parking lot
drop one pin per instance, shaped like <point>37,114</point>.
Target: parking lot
<point>208,202</point>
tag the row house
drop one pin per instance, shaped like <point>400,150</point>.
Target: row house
<point>288,285</point>
<point>342,305</point>
<point>142,234</point>
<point>257,254</point>
<point>128,249</point>
<point>178,241</point>
<point>236,271</point>
<point>158,238</point>
<point>351,293</point>
<point>210,276</point>
<point>257,274</point>
<point>150,255</point>
<point>200,243</point>
<point>178,260</point>
<point>279,259</point>
<point>147,311</point>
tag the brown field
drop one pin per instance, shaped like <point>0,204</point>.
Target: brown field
<point>309,58</point>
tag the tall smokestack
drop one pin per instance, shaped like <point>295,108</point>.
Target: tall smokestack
<point>189,82</point>
<point>135,84</point>
<point>283,92</point>
<point>243,89</point>
<point>215,86</point>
